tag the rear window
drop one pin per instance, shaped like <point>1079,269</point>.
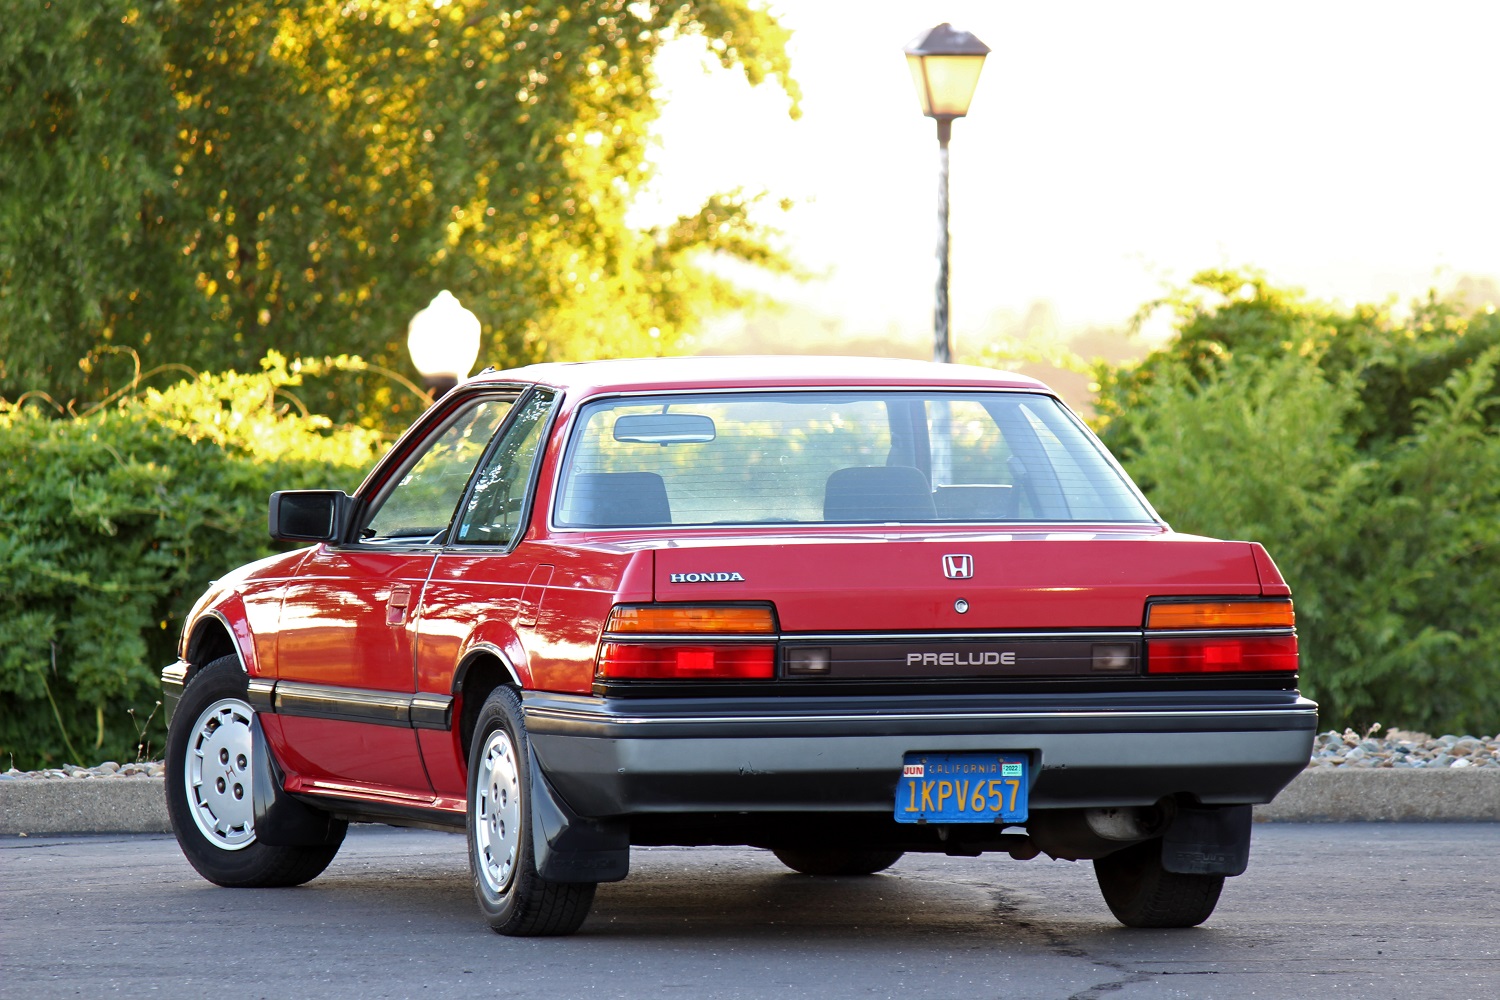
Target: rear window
<point>837,457</point>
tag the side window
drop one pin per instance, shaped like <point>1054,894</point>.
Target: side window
<point>1086,485</point>
<point>493,512</point>
<point>421,505</point>
<point>973,465</point>
<point>980,454</point>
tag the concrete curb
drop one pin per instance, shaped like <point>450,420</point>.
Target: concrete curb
<point>43,806</point>
<point>83,805</point>
<point>1384,795</point>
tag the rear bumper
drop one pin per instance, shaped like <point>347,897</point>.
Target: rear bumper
<point>627,757</point>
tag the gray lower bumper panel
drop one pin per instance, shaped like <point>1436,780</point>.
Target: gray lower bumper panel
<point>623,758</point>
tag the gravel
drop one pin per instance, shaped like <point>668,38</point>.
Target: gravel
<point>108,771</point>
<point>1398,748</point>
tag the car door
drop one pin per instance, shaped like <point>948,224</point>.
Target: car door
<point>346,650</point>
<point>484,589</point>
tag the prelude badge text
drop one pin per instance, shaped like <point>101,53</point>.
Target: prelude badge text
<point>989,658</point>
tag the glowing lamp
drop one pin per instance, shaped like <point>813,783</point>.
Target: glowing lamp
<point>444,342</point>
<point>945,65</point>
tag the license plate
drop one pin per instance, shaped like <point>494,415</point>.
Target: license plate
<point>962,788</point>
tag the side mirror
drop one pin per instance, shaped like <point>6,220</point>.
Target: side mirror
<point>308,515</point>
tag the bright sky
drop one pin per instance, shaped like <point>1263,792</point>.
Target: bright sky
<point>1348,148</point>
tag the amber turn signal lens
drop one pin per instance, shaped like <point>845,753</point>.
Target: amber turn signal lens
<point>1223,614</point>
<point>689,619</point>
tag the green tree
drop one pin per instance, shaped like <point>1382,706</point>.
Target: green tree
<point>202,181</point>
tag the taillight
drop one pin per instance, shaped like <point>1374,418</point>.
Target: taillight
<point>1198,637</point>
<point>1222,654</point>
<point>618,660</point>
<point>686,642</point>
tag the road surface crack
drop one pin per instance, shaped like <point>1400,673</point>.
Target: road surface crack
<point>1061,944</point>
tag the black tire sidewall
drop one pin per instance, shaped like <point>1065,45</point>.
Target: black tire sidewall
<point>1121,877</point>
<point>1140,892</point>
<point>220,679</point>
<point>256,865</point>
<point>502,710</point>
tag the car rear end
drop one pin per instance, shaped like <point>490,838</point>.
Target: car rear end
<point>912,618</point>
<point>755,696</point>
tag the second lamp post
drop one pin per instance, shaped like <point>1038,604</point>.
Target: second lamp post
<point>945,65</point>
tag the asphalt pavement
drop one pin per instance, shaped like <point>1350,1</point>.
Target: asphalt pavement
<point>1360,910</point>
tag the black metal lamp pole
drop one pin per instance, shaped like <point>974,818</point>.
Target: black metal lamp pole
<point>945,65</point>
<point>942,349</point>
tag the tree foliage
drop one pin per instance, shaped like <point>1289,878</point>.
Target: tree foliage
<point>203,181</point>
<point>1365,454</point>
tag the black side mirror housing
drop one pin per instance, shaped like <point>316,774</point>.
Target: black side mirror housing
<point>309,515</point>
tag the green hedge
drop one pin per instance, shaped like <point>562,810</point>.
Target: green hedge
<point>112,523</point>
<point>1364,452</point>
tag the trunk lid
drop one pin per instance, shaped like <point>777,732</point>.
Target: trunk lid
<point>902,582</point>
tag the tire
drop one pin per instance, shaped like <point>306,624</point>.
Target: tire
<point>514,899</point>
<point>1141,893</point>
<point>209,792</point>
<point>833,861</point>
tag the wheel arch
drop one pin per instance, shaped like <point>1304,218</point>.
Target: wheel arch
<point>210,638</point>
<point>484,668</point>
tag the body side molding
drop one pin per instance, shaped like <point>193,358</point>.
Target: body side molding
<point>346,704</point>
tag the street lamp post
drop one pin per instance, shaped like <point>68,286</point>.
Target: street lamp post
<point>945,65</point>
<point>444,343</point>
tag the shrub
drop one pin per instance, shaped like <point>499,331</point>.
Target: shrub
<point>113,522</point>
<point>1375,485</point>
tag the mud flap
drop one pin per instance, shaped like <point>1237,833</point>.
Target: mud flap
<point>572,848</point>
<point>280,820</point>
<point>1207,840</point>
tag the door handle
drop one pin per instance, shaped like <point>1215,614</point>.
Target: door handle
<point>397,604</point>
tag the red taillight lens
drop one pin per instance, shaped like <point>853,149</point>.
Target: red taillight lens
<point>1228,655</point>
<point>619,660</point>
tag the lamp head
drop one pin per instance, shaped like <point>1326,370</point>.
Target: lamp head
<point>443,340</point>
<point>945,64</point>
